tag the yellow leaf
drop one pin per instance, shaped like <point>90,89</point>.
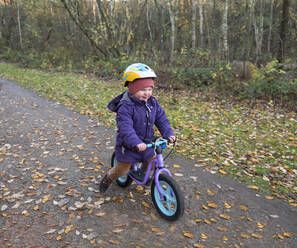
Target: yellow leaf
<point>145,204</point>
<point>199,246</point>
<point>227,205</point>
<point>203,236</point>
<point>245,236</point>
<point>59,238</point>
<point>222,229</point>
<point>36,208</point>
<point>212,205</point>
<point>71,216</point>
<point>253,187</point>
<point>214,220</point>
<point>139,188</point>
<point>198,220</point>
<point>225,238</point>
<point>188,235</point>
<point>243,207</point>
<point>257,236</point>
<point>223,172</point>
<point>287,234</point>
<point>260,225</point>
<point>269,197</point>
<point>176,166</point>
<point>45,199</point>
<point>280,236</point>
<point>90,211</point>
<point>67,230</point>
<point>155,229</point>
<point>114,242</point>
<point>204,207</point>
<point>207,221</point>
<point>224,216</point>
<point>210,192</point>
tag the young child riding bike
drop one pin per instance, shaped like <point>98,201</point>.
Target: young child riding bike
<point>137,112</point>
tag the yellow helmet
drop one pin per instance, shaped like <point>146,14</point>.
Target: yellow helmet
<point>136,71</point>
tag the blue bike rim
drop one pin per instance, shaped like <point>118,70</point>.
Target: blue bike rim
<point>168,206</point>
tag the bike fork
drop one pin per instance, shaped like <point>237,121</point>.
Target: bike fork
<point>158,172</point>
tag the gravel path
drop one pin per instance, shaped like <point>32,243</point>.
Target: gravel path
<point>51,160</point>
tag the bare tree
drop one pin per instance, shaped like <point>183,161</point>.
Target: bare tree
<point>201,23</point>
<point>283,31</point>
<point>19,24</point>
<point>194,5</point>
<point>225,30</point>
<point>270,27</point>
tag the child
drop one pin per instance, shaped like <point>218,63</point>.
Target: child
<point>137,112</point>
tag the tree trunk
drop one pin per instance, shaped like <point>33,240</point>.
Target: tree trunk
<point>172,36</point>
<point>270,27</point>
<point>201,23</point>
<point>258,29</point>
<point>225,31</point>
<point>148,21</point>
<point>283,31</point>
<point>194,25</point>
<point>19,24</point>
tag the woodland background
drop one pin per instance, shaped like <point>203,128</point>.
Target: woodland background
<point>243,48</point>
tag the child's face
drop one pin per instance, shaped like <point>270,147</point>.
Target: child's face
<point>144,94</point>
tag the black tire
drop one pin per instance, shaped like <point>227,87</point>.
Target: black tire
<point>172,207</point>
<point>124,181</point>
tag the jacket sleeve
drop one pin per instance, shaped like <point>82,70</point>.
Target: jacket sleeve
<point>126,130</point>
<point>162,123</point>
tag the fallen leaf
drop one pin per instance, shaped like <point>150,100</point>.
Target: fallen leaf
<point>188,235</point>
<point>59,238</point>
<point>257,236</point>
<point>224,216</point>
<point>114,242</point>
<point>145,204</point>
<point>227,205</point>
<point>203,236</point>
<point>253,187</point>
<point>212,205</point>
<point>287,234</point>
<point>260,225</point>
<point>243,207</point>
<point>155,229</point>
<point>245,236</point>
<point>223,172</point>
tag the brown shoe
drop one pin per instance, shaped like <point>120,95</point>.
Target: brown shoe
<point>104,184</point>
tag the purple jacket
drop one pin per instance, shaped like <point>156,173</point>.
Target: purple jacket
<point>135,120</point>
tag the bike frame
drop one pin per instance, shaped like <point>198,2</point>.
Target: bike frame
<point>159,168</point>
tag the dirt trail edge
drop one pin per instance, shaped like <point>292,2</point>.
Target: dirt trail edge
<point>51,160</point>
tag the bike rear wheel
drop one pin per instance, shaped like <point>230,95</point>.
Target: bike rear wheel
<point>172,206</point>
<point>123,181</point>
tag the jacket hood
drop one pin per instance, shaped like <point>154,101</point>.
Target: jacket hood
<point>115,103</point>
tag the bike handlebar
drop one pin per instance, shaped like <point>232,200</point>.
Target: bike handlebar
<point>158,143</point>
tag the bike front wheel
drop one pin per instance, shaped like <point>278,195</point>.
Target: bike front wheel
<point>123,181</point>
<point>171,207</point>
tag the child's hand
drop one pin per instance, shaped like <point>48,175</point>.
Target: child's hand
<point>172,139</point>
<point>141,147</point>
